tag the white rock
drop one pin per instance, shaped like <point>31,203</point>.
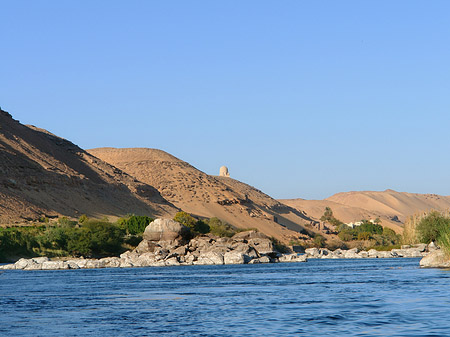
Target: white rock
<point>436,259</point>
<point>314,252</point>
<point>234,258</point>
<point>293,258</point>
<point>22,263</point>
<point>8,266</point>
<point>40,259</point>
<point>210,258</point>
<point>54,265</point>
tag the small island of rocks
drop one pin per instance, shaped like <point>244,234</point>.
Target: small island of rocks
<point>169,243</point>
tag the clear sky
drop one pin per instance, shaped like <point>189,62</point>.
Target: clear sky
<point>298,98</point>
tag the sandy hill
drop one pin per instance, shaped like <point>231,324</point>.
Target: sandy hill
<point>42,174</point>
<point>390,206</point>
<point>204,195</point>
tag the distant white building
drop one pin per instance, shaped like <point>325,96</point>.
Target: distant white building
<point>357,223</point>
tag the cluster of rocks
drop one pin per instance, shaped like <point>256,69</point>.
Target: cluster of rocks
<point>167,243</point>
<point>437,258</point>
<point>419,250</point>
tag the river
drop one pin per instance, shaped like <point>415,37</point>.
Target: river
<point>363,297</point>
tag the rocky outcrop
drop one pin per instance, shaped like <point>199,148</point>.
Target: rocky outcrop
<point>419,250</point>
<point>438,258</point>
<point>166,243</point>
<point>166,230</point>
<point>292,258</point>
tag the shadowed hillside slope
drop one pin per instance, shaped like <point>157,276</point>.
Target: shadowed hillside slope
<point>390,206</point>
<point>203,195</point>
<point>42,174</point>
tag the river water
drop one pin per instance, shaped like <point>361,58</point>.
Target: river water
<point>365,297</point>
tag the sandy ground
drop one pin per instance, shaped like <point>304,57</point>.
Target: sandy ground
<point>354,206</point>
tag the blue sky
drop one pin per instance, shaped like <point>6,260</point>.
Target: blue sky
<point>298,98</point>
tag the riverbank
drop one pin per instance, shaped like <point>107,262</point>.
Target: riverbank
<point>419,250</point>
<point>212,257</point>
<point>168,243</point>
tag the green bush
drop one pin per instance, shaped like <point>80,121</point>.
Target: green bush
<point>384,247</point>
<point>369,227</point>
<point>92,239</point>
<point>185,219</point>
<point>83,218</point>
<point>66,222</point>
<point>221,228</point>
<point>202,227</point>
<point>196,226</point>
<point>279,247</point>
<point>347,234</point>
<point>319,241</point>
<point>366,231</point>
<point>19,242</point>
<point>363,236</point>
<point>329,217</point>
<point>432,227</point>
<point>134,224</point>
<point>96,239</point>
<point>387,238</point>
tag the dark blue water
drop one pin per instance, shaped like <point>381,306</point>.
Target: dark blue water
<point>369,297</point>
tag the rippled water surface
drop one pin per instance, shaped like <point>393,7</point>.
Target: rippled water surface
<point>370,297</point>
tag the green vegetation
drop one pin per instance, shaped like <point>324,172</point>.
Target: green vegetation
<point>90,237</point>
<point>279,247</point>
<point>386,248</point>
<point>85,237</point>
<point>133,224</point>
<point>432,227</point>
<point>329,217</point>
<point>214,225</point>
<point>18,241</point>
<point>426,227</point>
<point>373,233</point>
<point>319,241</point>
<point>221,228</point>
<point>196,226</point>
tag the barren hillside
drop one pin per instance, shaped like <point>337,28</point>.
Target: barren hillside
<point>42,174</point>
<point>390,206</point>
<point>204,195</point>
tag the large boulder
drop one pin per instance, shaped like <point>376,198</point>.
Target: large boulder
<point>259,241</point>
<point>312,252</point>
<point>210,258</point>
<point>262,246</point>
<point>166,230</point>
<point>422,247</point>
<point>352,254</point>
<point>262,259</point>
<point>54,265</point>
<point>436,259</point>
<point>234,258</point>
<point>145,246</point>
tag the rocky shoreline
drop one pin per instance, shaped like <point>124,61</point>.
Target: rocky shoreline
<point>419,250</point>
<point>168,243</point>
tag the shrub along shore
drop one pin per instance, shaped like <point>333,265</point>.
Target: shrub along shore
<point>93,238</point>
<point>96,240</point>
<point>168,243</point>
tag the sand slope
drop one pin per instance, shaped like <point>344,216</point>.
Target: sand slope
<point>42,174</point>
<point>204,195</point>
<point>354,206</point>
